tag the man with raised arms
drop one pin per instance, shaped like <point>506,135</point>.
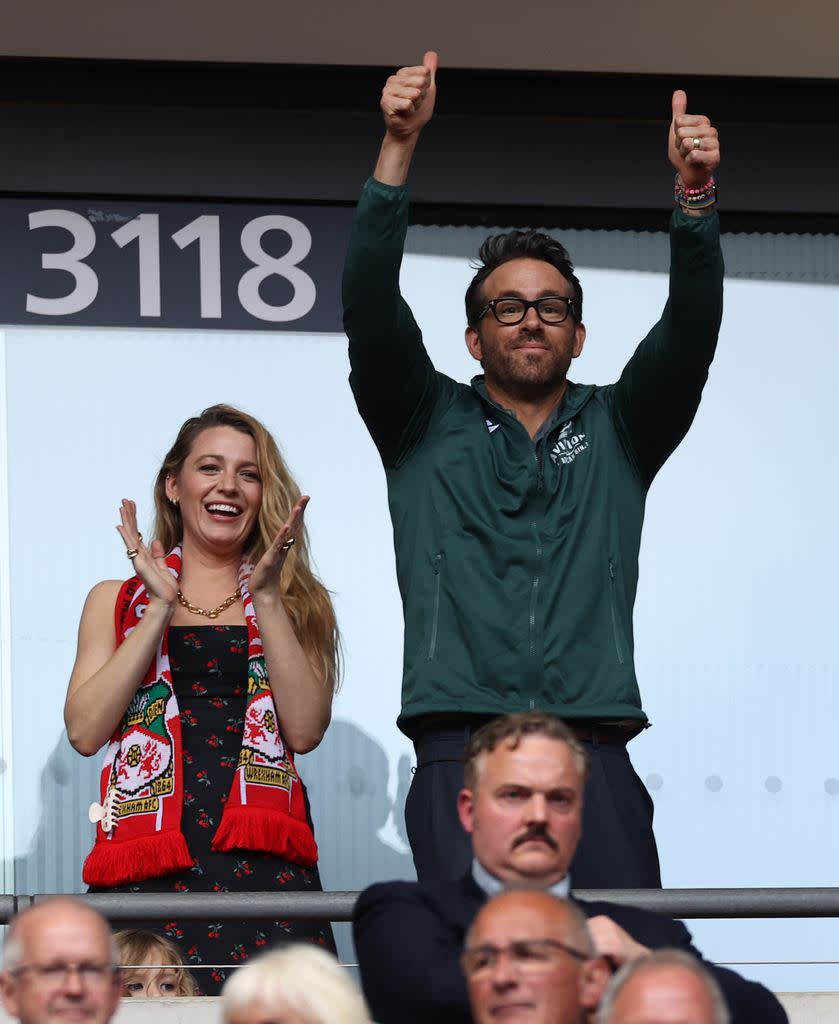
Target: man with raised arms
<point>517,501</point>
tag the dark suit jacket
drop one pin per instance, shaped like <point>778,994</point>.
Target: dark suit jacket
<point>409,936</point>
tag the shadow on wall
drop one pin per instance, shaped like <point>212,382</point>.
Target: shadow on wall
<point>347,779</point>
<point>53,862</point>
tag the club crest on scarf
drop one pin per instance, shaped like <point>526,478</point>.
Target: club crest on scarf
<point>144,765</point>
<point>263,754</point>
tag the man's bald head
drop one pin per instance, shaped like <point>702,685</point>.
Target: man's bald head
<point>529,956</point>
<point>665,987</point>
<point>59,959</point>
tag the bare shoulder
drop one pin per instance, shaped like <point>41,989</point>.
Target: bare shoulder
<point>100,602</point>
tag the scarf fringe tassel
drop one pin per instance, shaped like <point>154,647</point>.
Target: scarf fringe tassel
<point>114,863</point>
<point>251,828</point>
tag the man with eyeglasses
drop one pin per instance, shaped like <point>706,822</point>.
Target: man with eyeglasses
<point>60,964</point>
<point>529,957</point>
<point>522,807</point>
<point>517,501</point>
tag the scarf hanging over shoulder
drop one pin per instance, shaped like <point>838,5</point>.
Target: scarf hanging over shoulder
<point>141,783</point>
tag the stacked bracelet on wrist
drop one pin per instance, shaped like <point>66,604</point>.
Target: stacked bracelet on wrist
<point>695,198</point>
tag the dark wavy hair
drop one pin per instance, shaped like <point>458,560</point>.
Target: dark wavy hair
<point>511,730</point>
<point>520,245</point>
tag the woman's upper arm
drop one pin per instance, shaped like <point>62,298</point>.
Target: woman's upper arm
<point>97,641</point>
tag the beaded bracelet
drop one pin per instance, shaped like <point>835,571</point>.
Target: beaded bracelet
<point>695,198</point>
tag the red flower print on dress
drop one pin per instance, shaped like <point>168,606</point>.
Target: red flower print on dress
<point>173,930</point>
<point>214,930</point>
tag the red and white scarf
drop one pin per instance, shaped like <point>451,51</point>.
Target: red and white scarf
<point>141,783</point>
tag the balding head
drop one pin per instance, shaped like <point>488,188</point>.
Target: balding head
<point>529,957</point>
<point>665,987</point>
<point>59,962</point>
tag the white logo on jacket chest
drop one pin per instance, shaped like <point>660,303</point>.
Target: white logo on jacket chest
<point>569,444</point>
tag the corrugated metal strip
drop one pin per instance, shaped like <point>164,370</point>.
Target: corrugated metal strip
<point>781,257</point>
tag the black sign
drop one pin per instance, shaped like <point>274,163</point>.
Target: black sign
<point>196,265</point>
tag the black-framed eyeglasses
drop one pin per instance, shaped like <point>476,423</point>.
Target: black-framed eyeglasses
<point>53,975</point>
<point>509,310</point>
<point>524,954</point>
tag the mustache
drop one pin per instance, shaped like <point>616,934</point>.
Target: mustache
<point>538,832</point>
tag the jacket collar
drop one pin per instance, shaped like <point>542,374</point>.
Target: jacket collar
<point>575,397</point>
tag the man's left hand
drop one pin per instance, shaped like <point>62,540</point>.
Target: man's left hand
<point>611,941</point>
<point>694,146</point>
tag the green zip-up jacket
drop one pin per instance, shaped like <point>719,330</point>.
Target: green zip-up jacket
<point>517,560</point>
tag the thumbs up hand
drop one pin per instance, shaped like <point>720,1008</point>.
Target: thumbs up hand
<point>408,98</point>
<point>693,145</point>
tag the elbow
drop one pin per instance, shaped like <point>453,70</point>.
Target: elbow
<point>304,741</point>
<point>81,742</point>
<point>83,745</point>
<point>304,738</point>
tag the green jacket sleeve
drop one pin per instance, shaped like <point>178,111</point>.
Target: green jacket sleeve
<point>658,393</point>
<point>391,375</point>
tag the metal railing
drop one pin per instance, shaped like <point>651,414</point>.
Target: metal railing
<point>338,906</point>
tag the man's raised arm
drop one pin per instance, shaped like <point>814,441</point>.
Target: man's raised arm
<point>407,105</point>
<point>392,377</point>
<point>658,393</point>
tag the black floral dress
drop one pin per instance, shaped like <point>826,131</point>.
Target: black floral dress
<point>209,673</point>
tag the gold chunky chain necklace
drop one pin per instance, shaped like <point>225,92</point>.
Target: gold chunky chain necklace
<point>213,613</point>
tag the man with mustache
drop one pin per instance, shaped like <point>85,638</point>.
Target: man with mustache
<point>518,500</point>
<point>522,805</point>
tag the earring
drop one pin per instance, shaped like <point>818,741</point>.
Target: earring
<point>174,501</point>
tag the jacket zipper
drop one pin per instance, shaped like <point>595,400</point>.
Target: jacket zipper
<point>613,607</point>
<point>432,643</point>
<point>534,586</point>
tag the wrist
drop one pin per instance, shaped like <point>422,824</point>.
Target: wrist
<point>268,599</point>
<point>395,158</point>
<point>159,610</point>
<point>695,200</point>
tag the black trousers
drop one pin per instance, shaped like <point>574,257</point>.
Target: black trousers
<point>617,849</point>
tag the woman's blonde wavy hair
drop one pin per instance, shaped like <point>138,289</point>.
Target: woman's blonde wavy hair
<point>305,598</point>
